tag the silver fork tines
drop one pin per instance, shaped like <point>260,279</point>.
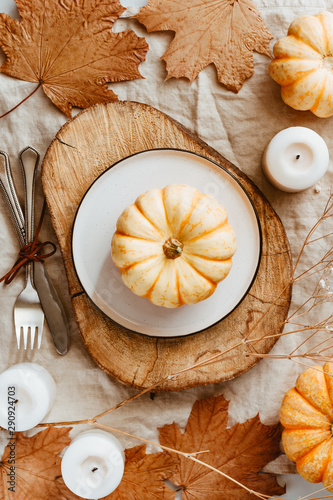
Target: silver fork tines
<point>28,319</point>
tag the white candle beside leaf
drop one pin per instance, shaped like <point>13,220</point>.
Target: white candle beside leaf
<point>93,464</point>
<point>295,159</point>
<point>27,393</point>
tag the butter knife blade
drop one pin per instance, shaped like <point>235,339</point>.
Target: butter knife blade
<point>53,309</point>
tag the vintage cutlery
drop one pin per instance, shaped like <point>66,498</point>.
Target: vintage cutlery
<point>54,312</point>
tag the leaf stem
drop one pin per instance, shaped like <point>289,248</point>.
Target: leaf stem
<point>19,104</point>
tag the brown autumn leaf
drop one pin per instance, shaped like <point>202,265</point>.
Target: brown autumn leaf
<point>37,467</point>
<point>37,470</point>
<point>144,474</point>
<point>240,452</point>
<point>222,32</point>
<point>69,48</point>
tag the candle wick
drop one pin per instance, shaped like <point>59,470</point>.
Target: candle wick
<point>298,157</point>
<point>94,469</point>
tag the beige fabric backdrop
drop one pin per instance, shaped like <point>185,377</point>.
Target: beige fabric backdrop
<point>239,126</point>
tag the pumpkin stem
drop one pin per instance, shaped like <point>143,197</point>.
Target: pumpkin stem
<point>172,248</point>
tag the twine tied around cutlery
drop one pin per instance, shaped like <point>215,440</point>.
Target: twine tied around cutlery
<point>30,253</point>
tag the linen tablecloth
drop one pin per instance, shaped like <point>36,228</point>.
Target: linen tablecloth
<point>237,125</point>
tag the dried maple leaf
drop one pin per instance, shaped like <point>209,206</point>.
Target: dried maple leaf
<point>240,452</point>
<point>68,47</point>
<point>143,476</point>
<point>37,470</point>
<point>222,32</point>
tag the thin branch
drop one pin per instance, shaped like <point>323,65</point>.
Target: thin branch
<point>304,342</point>
<point>315,493</point>
<point>65,424</point>
<point>291,358</point>
<point>189,456</point>
<point>320,237</point>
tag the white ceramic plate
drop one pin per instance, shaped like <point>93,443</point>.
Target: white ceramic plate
<point>95,223</point>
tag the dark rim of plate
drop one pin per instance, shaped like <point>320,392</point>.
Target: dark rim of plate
<point>245,293</point>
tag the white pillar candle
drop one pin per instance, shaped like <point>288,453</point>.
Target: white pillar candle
<point>93,464</point>
<point>295,159</point>
<point>27,393</point>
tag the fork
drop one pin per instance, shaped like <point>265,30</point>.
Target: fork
<point>28,312</point>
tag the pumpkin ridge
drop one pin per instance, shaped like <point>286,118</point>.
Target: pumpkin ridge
<point>198,197</point>
<point>327,386</point>
<point>313,406</point>
<point>199,272</point>
<point>210,259</point>
<point>154,226</point>
<point>319,406</point>
<point>180,298</point>
<point>177,232</point>
<point>291,427</point>
<point>149,292</point>
<point>305,42</point>
<point>309,428</point>
<point>206,233</point>
<point>325,462</point>
<point>126,268</point>
<point>296,448</point>
<point>305,74</point>
<point>299,37</point>
<point>287,59</point>
<point>326,36</point>
<point>135,237</point>
<point>165,211</point>
<point>207,258</point>
<point>320,93</point>
<point>302,78</point>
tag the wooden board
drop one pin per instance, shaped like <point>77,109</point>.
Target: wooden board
<point>82,150</point>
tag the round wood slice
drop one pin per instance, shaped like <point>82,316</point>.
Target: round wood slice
<point>82,149</point>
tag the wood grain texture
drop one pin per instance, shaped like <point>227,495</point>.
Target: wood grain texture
<point>83,148</point>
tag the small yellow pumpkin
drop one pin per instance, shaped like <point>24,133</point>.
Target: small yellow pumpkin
<point>307,415</point>
<point>173,245</point>
<point>303,64</point>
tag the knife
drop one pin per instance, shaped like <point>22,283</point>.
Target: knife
<point>53,309</point>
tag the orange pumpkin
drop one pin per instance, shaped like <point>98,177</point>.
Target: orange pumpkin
<point>307,415</point>
<point>303,64</point>
<point>173,245</point>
